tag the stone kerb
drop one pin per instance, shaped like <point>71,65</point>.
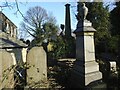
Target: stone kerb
<point>37,66</point>
<point>6,70</point>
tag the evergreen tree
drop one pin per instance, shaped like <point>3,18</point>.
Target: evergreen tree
<point>99,16</point>
<point>115,19</point>
<point>115,29</point>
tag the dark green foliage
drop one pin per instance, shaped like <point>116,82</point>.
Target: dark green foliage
<point>115,29</point>
<point>99,16</point>
<point>114,44</point>
<point>60,73</point>
<point>115,32</point>
<point>63,76</point>
<point>115,19</point>
<point>50,30</point>
<point>64,48</point>
<point>58,49</point>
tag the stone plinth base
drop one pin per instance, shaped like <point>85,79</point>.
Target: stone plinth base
<point>85,69</point>
<point>84,74</point>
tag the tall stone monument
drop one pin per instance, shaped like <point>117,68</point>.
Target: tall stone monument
<point>85,69</point>
<point>67,21</point>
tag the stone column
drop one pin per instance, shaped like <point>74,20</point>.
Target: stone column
<point>67,21</point>
<point>1,25</point>
<point>11,28</point>
<point>15,32</point>
<point>7,28</point>
<point>85,69</point>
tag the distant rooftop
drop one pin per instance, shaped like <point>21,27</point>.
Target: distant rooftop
<point>7,18</point>
<point>9,42</point>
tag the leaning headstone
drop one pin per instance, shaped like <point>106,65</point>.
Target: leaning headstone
<point>6,70</point>
<point>36,67</point>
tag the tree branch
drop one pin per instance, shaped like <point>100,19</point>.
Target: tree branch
<point>18,10</point>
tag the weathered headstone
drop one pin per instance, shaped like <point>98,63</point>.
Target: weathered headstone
<point>37,66</point>
<point>6,70</point>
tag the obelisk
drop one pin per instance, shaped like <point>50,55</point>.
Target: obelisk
<point>67,21</point>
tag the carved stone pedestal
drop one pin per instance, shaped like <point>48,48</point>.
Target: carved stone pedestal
<point>85,69</point>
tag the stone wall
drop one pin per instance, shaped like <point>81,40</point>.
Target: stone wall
<point>18,54</point>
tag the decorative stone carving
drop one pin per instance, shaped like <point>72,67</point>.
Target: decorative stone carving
<point>82,11</point>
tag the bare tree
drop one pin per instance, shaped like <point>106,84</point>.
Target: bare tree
<point>39,24</point>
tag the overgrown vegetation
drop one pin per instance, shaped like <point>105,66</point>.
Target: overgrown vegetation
<point>63,48</point>
<point>57,77</point>
<point>99,16</point>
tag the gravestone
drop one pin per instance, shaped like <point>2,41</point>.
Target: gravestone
<point>85,69</point>
<point>37,66</point>
<point>6,70</point>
